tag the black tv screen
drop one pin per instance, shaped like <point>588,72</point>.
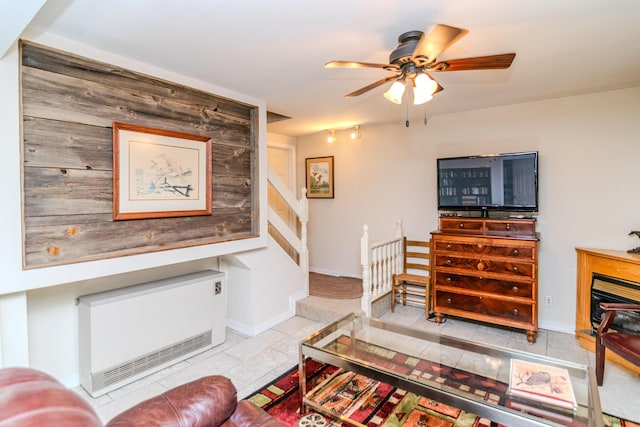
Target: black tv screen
<point>504,182</point>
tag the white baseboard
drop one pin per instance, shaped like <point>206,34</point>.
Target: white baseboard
<point>557,327</point>
<point>293,299</point>
<point>258,329</point>
<point>335,273</point>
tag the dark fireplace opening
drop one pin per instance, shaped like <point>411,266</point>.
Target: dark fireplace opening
<point>611,289</point>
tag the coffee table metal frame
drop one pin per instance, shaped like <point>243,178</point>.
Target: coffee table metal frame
<point>355,323</point>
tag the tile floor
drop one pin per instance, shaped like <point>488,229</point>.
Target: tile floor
<point>251,362</point>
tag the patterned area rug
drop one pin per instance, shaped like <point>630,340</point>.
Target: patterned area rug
<point>374,404</point>
<point>336,287</point>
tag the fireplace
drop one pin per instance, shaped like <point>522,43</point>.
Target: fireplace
<point>615,290</point>
<point>615,275</point>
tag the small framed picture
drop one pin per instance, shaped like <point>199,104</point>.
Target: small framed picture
<point>159,173</point>
<point>319,177</point>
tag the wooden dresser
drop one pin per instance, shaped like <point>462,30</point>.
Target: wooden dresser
<point>486,269</point>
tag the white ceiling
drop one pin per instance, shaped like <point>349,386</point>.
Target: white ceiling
<point>275,50</point>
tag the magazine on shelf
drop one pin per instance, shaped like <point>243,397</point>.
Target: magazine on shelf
<point>543,383</point>
<point>545,411</point>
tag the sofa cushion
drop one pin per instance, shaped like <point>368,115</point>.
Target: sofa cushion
<point>207,401</point>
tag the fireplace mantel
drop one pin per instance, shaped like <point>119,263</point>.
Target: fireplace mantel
<point>613,263</point>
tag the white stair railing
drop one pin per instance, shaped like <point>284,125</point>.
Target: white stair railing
<point>301,209</point>
<point>380,260</point>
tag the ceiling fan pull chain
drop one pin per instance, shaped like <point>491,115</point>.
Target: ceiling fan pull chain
<point>406,123</point>
<point>425,114</point>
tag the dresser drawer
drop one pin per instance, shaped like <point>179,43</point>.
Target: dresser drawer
<point>511,227</point>
<point>457,224</point>
<point>482,265</point>
<point>525,252</point>
<point>489,286</point>
<point>520,312</point>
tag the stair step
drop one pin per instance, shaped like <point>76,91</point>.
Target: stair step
<point>327,310</point>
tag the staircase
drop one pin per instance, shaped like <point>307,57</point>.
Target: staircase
<point>379,261</point>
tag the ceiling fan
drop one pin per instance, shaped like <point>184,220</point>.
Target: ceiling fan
<point>415,57</point>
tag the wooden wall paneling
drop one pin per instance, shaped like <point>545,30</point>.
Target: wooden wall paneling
<point>40,57</point>
<point>69,104</point>
<point>48,143</point>
<point>254,168</point>
<point>64,98</point>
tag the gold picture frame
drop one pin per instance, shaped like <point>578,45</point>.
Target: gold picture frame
<point>159,173</point>
<point>319,177</point>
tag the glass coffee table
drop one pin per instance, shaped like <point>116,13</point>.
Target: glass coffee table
<point>446,371</point>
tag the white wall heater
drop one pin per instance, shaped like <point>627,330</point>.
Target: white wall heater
<point>128,333</point>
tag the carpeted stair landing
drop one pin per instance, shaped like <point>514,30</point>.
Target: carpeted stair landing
<point>331,297</point>
<point>334,287</point>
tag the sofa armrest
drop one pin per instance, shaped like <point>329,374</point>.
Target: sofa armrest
<point>208,401</point>
<point>29,397</point>
<point>248,414</point>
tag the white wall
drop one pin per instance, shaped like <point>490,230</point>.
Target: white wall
<point>589,162</point>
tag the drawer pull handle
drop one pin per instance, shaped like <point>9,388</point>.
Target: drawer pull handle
<point>481,266</point>
<point>515,289</point>
<point>516,252</point>
<point>448,247</point>
<point>515,269</point>
<point>448,300</point>
<point>515,312</point>
<point>508,226</point>
<point>449,261</point>
<point>448,279</point>
<point>480,246</point>
<point>461,225</point>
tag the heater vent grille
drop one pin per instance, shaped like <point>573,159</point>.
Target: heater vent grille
<point>149,361</point>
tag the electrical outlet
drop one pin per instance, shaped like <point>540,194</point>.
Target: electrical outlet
<point>548,301</point>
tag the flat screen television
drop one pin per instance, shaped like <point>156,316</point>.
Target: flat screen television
<point>500,182</point>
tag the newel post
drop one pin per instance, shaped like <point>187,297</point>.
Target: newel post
<point>399,230</point>
<point>398,259</point>
<point>365,257</point>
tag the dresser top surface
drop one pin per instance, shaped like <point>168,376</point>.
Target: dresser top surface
<point>486,234</point>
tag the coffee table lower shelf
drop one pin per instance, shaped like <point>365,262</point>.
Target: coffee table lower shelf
<point>356,329</point>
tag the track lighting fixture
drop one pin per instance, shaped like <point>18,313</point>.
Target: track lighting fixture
<point>355,134</point>
<point>332,137</point>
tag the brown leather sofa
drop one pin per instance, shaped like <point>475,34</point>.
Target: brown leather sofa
<point>30,398</point>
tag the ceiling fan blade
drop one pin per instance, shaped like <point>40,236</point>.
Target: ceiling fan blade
<point>371,86</point>
<point>353,64</point>
<point>440,38</point>
<point>492,62</point>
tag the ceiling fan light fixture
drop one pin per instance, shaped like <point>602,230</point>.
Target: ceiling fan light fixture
<point>395,92</point>
<point>421,96</point>
<point>424,81</point>
<point>424,87</point>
